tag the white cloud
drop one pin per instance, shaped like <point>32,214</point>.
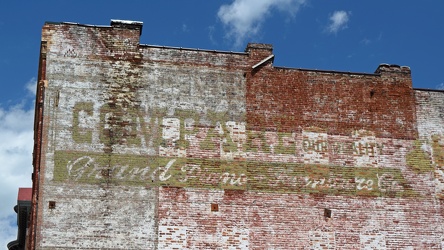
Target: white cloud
<point>185,28</point>
<point>338,21</point>
<point>366,41</point>
<point>440,86</point>
<point>8,230</point>
<point>16,144</point>
<point>31,86</point>
<point>16,132</point>
<point>211,30</point>
<point>244,18</point>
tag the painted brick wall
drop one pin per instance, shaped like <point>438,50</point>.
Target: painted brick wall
<point>150,147</point>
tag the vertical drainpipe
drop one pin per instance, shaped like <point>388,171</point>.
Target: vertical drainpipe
<point>38,130</point>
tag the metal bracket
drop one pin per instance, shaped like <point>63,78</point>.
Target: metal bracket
<point>262,62</point>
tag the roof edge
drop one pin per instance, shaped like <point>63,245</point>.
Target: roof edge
<point>193,49</point>
<point>328,71</point>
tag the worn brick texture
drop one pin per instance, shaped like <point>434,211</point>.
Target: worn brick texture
<point>151,147</point>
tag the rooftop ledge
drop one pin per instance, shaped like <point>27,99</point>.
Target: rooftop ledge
<point>127,22</point>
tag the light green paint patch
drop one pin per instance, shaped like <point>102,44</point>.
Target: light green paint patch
<point>315,129</point>
<point>188,120</point>
<point>215,117</point>
<point>217,133</point>
<point>153,128</point>
<point>286,144</point>
<point>438,159</point>
<point>218,174</point>
<point>418,160</point>
<point>438,150</point>
<point>256,142</point>
<point>328,180</point>
<point>208,143</point>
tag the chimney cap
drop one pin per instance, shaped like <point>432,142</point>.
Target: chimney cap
<point>260,46</point>
<point>128,24</point>
<point>385,67</point>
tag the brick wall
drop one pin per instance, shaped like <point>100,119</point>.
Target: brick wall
<point>340,103</point>
<point>173,148</point>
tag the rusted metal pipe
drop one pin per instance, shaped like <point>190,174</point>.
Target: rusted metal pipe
<point>38,131</point>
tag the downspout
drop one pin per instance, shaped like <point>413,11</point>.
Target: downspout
<point>38,131</point>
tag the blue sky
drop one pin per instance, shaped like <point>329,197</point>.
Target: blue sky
<point>346,35</point>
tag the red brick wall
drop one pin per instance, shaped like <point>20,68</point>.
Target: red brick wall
<point>256,220</point>
<point>289,100</point>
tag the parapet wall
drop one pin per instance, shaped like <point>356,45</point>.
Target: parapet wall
<point>159,147</point>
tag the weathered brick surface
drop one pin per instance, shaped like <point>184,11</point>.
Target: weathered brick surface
<point>149,147</point>
<point>290,100</point>
<point>286,221</point>
<point>98,216</point>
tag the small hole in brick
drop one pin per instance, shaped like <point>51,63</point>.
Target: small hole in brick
<point>214,207</point>
<point>106,172</point>
<point>52,204</point>
<point>327,213</point>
